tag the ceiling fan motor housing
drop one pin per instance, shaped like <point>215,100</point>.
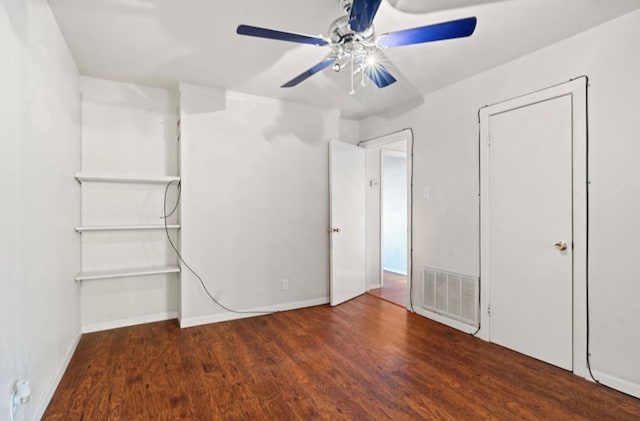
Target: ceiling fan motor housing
<point>340,32</point>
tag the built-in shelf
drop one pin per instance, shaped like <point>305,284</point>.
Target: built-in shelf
<point>125,273</point>
<point>81,177</point>
<point>126,228</point>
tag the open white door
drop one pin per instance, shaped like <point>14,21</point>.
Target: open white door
<point>347,202</point>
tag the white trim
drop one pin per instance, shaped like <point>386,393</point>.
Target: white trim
<point>624,386</point>
<point>93,228</point>
<point>46,397</point>
<point>394,270</point>
<point>577,90</point>
<point>98,178</point>
<point>391,152</point>
<point>405,134</point>
<point>131,321</point>
<point>445,320</point>
<point>126,273</point>
<point>410,141</point>
<point>223,317</point>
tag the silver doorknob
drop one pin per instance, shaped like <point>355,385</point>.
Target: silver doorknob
<point>335,229</point>
<point>561,245</point>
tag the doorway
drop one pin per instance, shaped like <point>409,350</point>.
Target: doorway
<point>533,224</point>
<point>388,210</point>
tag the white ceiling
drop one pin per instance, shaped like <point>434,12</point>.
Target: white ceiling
<point>160,42</point>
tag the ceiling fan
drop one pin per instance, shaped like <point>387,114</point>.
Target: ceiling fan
<point>354,43</point>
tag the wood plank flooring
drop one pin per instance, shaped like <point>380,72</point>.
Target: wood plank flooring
<point>394,288</point>
<point>364,360</point>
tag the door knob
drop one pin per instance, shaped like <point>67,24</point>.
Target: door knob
<point>335,229</point>
<point>561,245</point>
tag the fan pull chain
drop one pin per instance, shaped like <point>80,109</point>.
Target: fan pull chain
<point>352,91</point>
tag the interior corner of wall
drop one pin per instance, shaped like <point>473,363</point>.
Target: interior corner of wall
<point>197,99</point>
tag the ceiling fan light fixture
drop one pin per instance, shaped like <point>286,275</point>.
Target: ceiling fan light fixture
<point>353,42</point>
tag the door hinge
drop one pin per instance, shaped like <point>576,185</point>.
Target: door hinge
<point>489,309</point>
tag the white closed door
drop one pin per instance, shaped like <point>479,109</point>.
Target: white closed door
<point>347,220</point>
<point>528,221</point>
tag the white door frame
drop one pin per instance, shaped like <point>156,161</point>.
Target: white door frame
<point>380,142</point>
<point>576,89</point>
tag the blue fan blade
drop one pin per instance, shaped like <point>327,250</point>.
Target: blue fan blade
<point>312,71</point>
<point>440,31</point>
<point>380,76</point>
<point>362,14</point>
<point>254,31</point>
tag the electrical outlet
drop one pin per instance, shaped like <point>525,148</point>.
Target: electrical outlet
<point>285,284</point>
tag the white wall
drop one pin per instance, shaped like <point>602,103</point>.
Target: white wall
<point>127,130</point>
<point>254,202</point>
<point>446,161</point>
<point>39,117</point>
<point>349,131</point>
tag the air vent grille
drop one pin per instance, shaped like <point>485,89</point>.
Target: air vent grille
<point>451,294</point>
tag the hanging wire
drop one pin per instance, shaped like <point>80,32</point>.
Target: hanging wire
<point>166,215</point>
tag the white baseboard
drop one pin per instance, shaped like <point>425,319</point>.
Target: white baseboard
<point>374,286</point>
<point>132,321</point>
<point>44,401</point>
<point>223,317</point>
<point>623,386</point>
<point>445,320</point>
<point>397,271</point>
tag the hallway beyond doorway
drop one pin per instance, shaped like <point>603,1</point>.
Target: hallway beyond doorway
<point>394,289</point>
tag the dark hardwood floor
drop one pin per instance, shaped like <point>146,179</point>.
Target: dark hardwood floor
<point>394,288</point>
<point>366,359</point>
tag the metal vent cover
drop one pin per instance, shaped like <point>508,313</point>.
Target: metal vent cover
<point>451,294</point>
